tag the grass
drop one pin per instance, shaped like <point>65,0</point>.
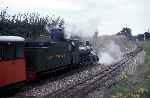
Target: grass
<point>121,87</point>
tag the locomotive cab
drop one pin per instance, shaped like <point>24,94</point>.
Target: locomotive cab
<point>12,63</point>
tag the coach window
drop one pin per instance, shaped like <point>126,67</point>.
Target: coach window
<point>19,52</point>
<point>9,52</point>
<point>1,53</point>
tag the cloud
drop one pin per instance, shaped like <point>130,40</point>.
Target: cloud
<point>49,4</point>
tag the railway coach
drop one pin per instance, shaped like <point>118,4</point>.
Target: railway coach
<point>12,62</point>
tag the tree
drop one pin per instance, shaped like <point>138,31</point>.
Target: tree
<point>27,24</point>
<point>126,32</point>
<point>147,35</point>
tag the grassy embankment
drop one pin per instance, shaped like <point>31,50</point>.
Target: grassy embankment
<point>138,85</point>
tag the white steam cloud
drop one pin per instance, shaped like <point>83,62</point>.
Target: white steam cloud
<point>83,27</point>
<point>109,54</point>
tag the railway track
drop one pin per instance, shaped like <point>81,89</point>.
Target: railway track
<point>88,84</point>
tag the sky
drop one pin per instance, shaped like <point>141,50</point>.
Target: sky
<point>87,16</point>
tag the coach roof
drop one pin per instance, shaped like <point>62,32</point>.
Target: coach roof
<point>11,38</point>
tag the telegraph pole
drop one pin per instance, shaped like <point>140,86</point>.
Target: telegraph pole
<point>95,37</point>
<point>144,36</point>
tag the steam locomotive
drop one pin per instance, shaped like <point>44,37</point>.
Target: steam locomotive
<point>22,60</point>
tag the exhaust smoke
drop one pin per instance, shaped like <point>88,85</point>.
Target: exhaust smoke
<point>110,53</point>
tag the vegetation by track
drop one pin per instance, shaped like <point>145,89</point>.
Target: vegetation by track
<point>138,84</point>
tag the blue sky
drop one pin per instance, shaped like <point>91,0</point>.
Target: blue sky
<point>86,16</point>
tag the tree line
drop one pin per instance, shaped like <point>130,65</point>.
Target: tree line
<point>128,33</point>
<point>27,24</point>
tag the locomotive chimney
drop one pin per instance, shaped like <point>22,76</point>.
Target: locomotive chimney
<point>57,34</point>
<point>87,43</point>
